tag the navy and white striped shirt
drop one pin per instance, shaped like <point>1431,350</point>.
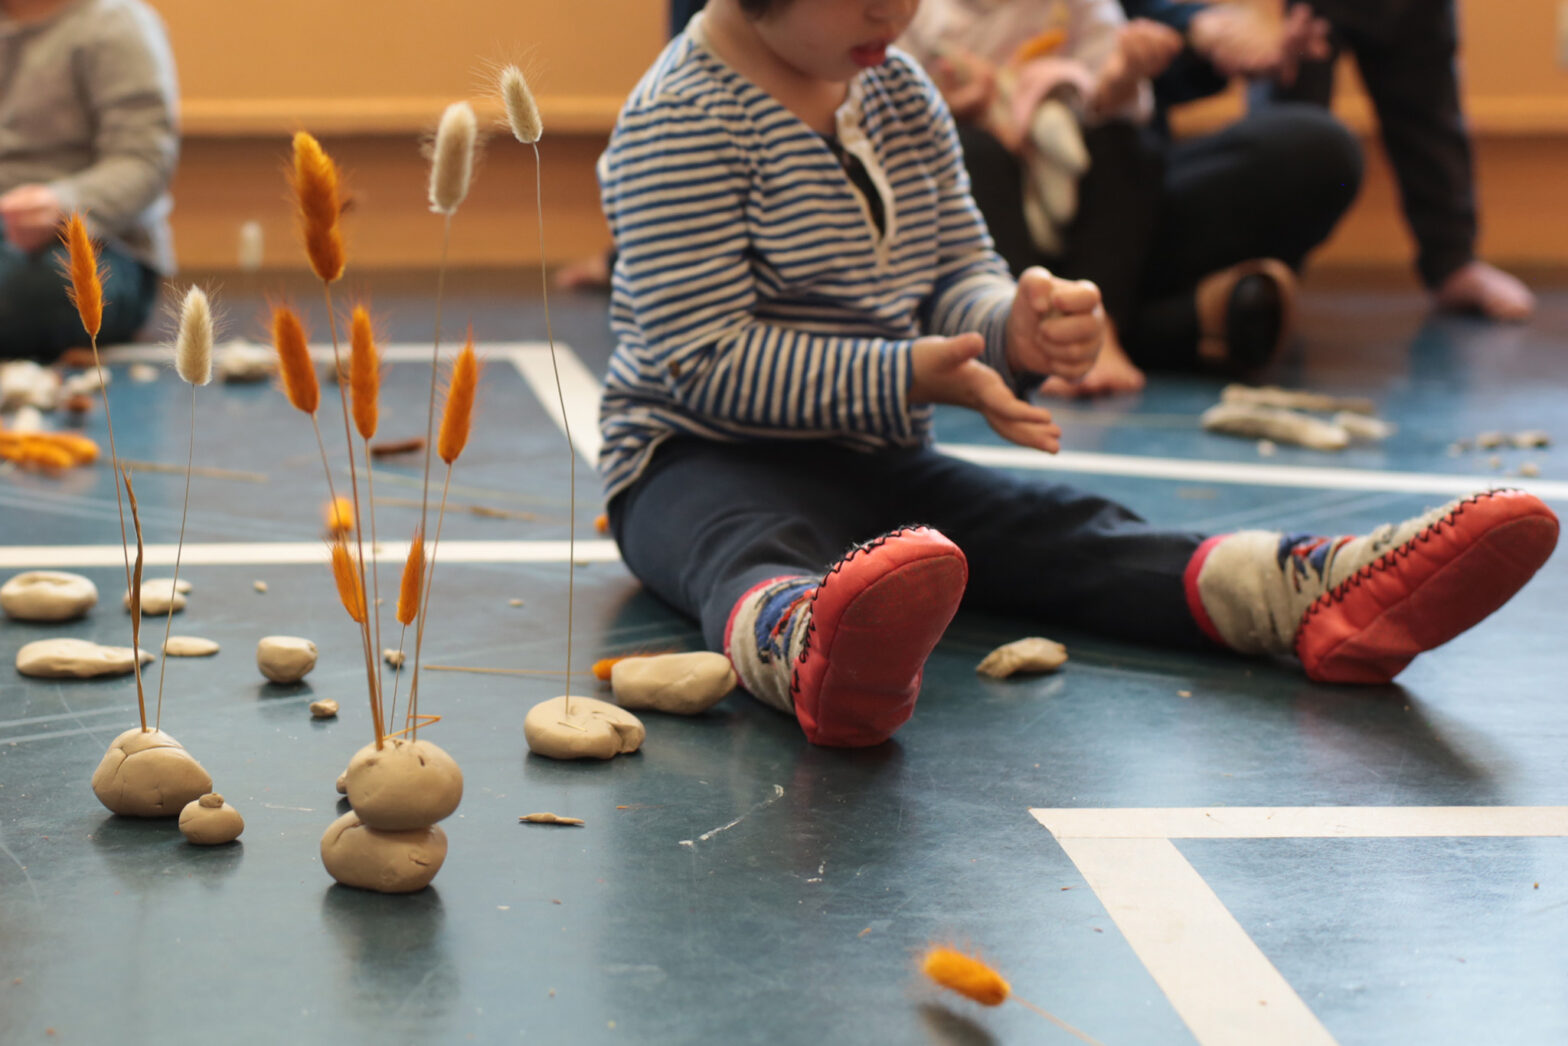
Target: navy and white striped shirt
<point>753,295</point>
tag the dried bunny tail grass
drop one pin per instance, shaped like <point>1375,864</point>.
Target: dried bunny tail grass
<point>364,372</point>
<point>294,363</point>
<point>347,578</point>
<point>86,278</point>
<point>315,181</point>
<point>522,113</point>
<point>966,975</point>
<point>193,344</point>
<point>452,166</point>
<point>458,414</point>
<point>413,577</point>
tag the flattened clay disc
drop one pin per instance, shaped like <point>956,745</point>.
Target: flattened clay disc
<point>403,784</point>
<point>190,646</point>
<point>160,595</point>
<point>1032,654</point>
<point>684,684</point>
<point>594,730</point>
<point>75,659</point>
<point>387,862</point>
<point>147,773</point>
<point>47,595</point>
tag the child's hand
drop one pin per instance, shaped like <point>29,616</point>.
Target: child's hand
<point>1144,50</point>
<point>1056,326</point>
<point>967,83</point>
<point>31,215</point>
<point>948,370</point>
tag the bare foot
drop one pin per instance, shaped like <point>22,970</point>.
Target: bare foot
<point>1483,288</point>
<point>585,274</point>
<point>1113,373</point>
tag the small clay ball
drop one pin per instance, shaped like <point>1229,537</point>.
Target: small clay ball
<point>343,783</point>
<point>160,595</point>
<point>684,684</point>
<point>209,821</point>
<point>590,729</point>
<point>326,708</point>
<point>403,784</point>
<point>75,659</point>
<point>147,773</point>
<point>374,859</point>
<point>47,595</point>
<point>285,659</point>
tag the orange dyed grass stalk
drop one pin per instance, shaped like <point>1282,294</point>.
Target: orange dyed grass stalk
<point>408,603</point>
<point>314,178</point>
<point>86,281</point>
<point>364,381</point>
<point>351,589</point>
<point>976,980</point>
<point>457,418</point>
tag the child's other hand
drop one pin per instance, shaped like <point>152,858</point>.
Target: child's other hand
<point>948,370</point>
<point>1056,326</point>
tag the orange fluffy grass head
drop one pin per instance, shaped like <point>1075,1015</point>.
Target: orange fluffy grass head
<point>294,363</point>
<point>314,178</point>
<point>413,578</point>
<point>350,591</point>
<point>965,974</point>
<point>364,372</point>
<point>86,278</point>
<point>458,415</point>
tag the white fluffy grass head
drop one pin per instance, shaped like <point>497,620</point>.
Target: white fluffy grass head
<point>521,111</point>
<point>452,167</point>
<point>193,344</point>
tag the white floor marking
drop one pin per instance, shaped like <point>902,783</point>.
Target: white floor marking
<point>1249,473</point>
<point>1221,985</point>
<point>263,553</point>
<point>580,388</point>
<point>1215,977</point>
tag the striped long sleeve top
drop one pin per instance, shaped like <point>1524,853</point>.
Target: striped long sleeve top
<point>754,295</point>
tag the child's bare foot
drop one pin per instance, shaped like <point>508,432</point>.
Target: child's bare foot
<point>1113,372</point>
<point>585,274</point>
<point>1483,288</point>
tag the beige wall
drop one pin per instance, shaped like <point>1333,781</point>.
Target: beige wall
<point>369,78</point>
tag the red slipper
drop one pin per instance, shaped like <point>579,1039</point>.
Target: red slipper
<point>875,618</point>
<point>1467,560</point>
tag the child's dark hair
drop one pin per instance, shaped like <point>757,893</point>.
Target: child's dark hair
<point>761,8</point>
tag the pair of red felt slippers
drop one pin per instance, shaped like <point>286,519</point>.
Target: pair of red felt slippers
<point>851,648</point>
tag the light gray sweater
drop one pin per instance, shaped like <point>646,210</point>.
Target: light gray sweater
<point>88,106</point>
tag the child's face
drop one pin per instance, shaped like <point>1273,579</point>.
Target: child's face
<point>835,39</point>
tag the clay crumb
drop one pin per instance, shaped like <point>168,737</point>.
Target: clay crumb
<point>1184,693</point>
<point>1532,438</point>
<point>514,602</point>
<point>1491,440</point>
<point>1494,461</point>
<point>395,658</point>
<point>1267,448</point>
<point>1529,468</point>
<point>326,708</point>
<point>259,586</point>
<point>548,818</point>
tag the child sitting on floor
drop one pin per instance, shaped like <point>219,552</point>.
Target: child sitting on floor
<point>801,276</point>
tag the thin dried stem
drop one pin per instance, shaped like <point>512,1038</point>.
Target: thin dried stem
<point>1068,1028</point>
<point>424,609</point>
<point>371,654</point>
<point>179,549</point>
<point>566,426</point>
<point>136,603</point>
